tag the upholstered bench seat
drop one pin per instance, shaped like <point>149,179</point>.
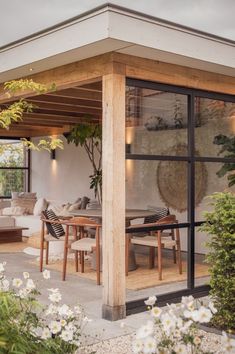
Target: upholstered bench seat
<point>7,221</point>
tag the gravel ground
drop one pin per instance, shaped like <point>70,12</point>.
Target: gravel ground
<point>122,345</point>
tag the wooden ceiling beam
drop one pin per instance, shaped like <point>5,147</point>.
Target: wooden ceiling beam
<point>32,132</point>
<point>73,113</point>
<point>69,75</point>
<point>63,103</point>
<point>79,93</point>
<point>56,118</point>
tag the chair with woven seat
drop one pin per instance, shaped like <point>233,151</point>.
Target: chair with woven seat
<point>160,239</point>
<point>86,244</point>
<point>55,233</point>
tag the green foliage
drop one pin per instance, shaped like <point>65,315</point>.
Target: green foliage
<point>44,144</point>
<point>228,147</point>
<point>220,224</point>
<point>15,337</point>
<point>89,136</point>
<point>14,113</point>
<point>27,84</point>
<point>82,133</point>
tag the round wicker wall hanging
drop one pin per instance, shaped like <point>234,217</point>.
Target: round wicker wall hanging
<point>172,180</point>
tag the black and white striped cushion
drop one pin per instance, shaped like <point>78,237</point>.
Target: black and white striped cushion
<point>55,230</point>
<point>160,213</point>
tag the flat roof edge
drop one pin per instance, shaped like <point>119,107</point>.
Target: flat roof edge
<point>109,6</point>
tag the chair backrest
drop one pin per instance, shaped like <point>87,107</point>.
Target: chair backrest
<point>54,229</point>
<point>169,219</point>
<point>159,214</point>
<point>83,221</point>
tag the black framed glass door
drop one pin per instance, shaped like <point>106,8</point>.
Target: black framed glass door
<point>172,161</point>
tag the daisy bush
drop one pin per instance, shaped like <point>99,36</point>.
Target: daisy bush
<point>27,326</point>
<point>174,329</point>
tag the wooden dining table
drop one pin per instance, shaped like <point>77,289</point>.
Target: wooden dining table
<point>131,214</point>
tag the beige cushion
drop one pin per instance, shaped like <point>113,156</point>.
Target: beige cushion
<point>25,195</point>
<point>151,241</point>
<point>75,206</point>
<point>7,221</point>
<point>26,203</point>
<point>14,211</point>
<point>39,206</point>
<point>85,244</point>
<point>50,238</point>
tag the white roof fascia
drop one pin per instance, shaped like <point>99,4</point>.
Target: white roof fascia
<point>150,33</point>
<point>111,28</point>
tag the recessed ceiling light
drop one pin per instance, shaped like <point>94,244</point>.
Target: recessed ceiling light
<point>30,69</point>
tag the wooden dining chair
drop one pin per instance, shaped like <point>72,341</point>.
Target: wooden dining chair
<point>52,231</point>
<point>86,243</point>
<point>160,239</point>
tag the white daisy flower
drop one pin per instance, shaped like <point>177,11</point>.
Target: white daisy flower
<point>156,312</point>
<point>168,322</point>
<point>55,327</point>
<point>145,331</point>
<point>17,282</point>
<point>46,333</point>
<point>137,346</point>
<point>64,310</point>
<point>204,315</point>
<point>55,297</point>
<point>151,301</point>
<point>26,275</point>
<point>77,309</point>
<point>4,285</point>
<point>150,345</point>
<point>66,335</point>
<point>30,284</point>
<point>2,267</point>
<point>187,299</point>
<point>46,274</point>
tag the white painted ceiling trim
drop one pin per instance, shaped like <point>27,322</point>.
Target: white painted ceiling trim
<point>111,28</point>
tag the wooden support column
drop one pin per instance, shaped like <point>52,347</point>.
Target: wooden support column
<point>113,201</point>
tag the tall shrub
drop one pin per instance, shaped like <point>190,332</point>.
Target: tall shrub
<point>220,224</point>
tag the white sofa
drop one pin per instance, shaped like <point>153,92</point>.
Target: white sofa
<point>7,221</point>
<point>33,224</point>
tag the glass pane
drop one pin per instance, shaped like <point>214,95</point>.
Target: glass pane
<point>12,181</point>
<point>159,184</point>
<point>12,153</point>
<point>215,125</point>
<point>156,122</point>
<point>143,277</point>
<point>201,266</point>
<point>210,179</point>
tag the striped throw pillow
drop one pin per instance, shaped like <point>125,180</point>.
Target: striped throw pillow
<point>55,230</point>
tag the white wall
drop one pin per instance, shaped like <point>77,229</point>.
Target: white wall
<point>65,178</point>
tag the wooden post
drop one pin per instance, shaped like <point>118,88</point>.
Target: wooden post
<point>113,201</point>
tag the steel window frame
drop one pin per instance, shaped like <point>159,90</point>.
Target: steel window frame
<point>25,168</point>
<point>198,291</point>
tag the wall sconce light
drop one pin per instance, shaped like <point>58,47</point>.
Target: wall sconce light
<point>53,157</point>
<point>128,148</point>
